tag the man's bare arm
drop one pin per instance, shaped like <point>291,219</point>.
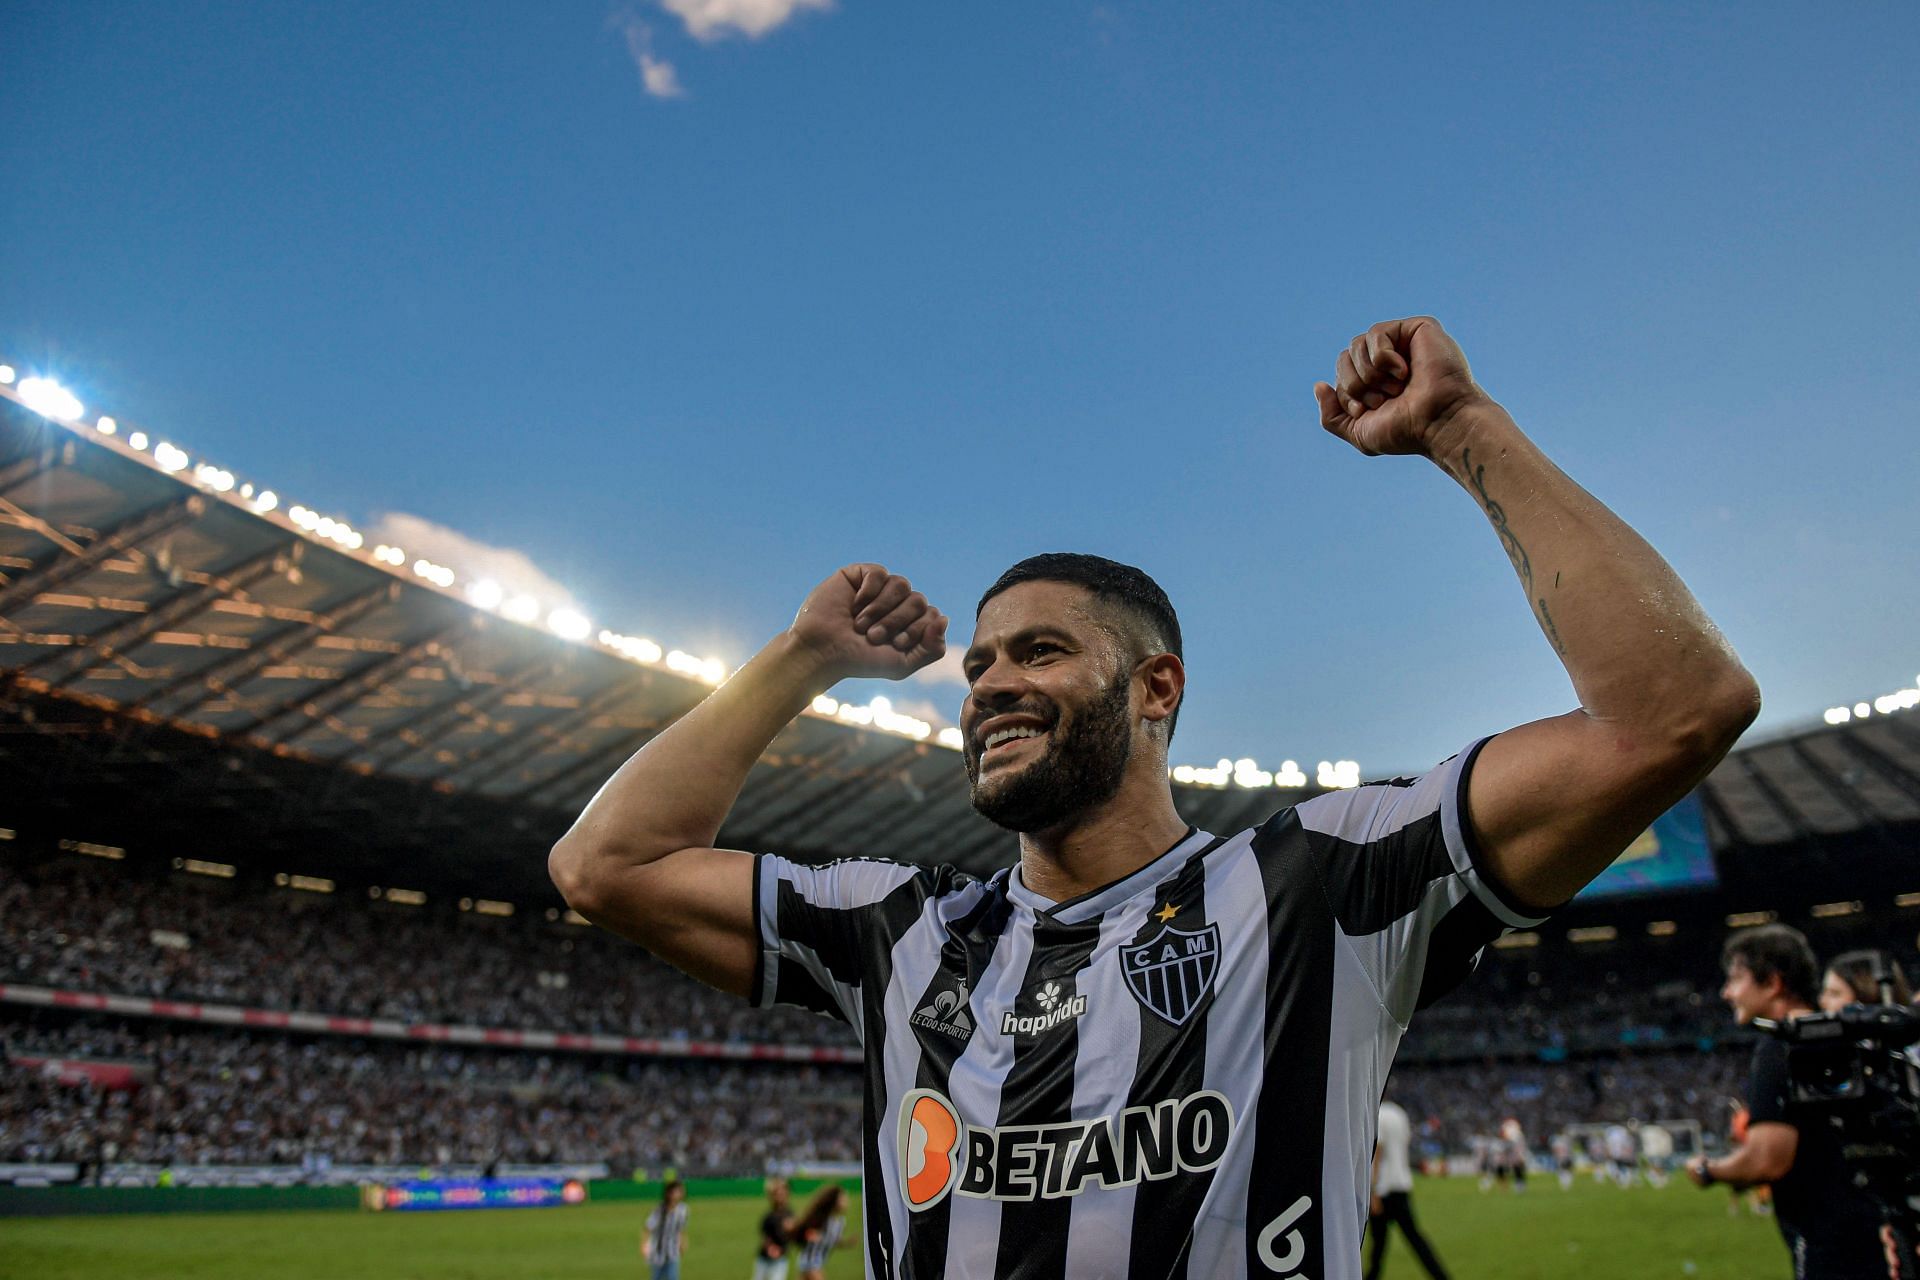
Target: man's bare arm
<point>1662,695</point>
<point>1766,1156</point>
<point>639,860</point>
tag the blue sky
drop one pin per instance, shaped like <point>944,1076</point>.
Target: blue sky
<point>944,285</point>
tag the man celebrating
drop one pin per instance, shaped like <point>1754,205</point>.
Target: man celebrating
<point>1147,1050</point>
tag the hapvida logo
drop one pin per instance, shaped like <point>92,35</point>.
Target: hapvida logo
<point>1055,1008</point>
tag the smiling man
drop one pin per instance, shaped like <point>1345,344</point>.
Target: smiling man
<point>1147,1050</point>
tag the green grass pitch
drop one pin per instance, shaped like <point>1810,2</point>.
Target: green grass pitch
<point>1593,1232</point>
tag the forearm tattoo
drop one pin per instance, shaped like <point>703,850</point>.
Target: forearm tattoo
<point>1516,551</point>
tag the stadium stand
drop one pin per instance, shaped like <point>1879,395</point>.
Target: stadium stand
<point>264,775</point>
<point>192,1096</point>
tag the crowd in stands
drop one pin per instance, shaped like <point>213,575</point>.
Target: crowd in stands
<point>1551,1037</point>
<point>97,929</point>
<point>1453,1104</point>
<point>231,1097</point>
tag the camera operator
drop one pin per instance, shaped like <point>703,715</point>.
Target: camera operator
<point>1831,1228</point>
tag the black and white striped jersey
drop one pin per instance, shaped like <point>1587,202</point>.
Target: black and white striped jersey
<point>664,1228</point>
<point>814,1253</point>
<point>1175,1075</point>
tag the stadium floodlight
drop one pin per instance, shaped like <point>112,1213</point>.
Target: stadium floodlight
<point>1289,775</point>
<point>1338,774</point>
<point>50,400</point>
<point>521,609</point>
<point>826,706</point>
<point>106,426</point>
<point>1862,709</point>
<point>265,501</point>
<point>485,594</point>
<point>950,737</point>
<point>218,479</point>
<point>137,440</point>
<point>569,624</point>
<point>1248,773</point>
<point>6,375</point>
<point>1839,715</point>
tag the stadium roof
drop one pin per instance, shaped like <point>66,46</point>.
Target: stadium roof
<point>186,665</point>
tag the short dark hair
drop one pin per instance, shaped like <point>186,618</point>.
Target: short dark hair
<point>1776,950</point>
<point>1139,599</point>
<point>1856,969</point>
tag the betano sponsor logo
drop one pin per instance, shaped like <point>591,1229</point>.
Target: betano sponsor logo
<point>941,1154</point>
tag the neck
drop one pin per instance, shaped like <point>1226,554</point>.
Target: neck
<point>1105,844</point>
<point>1785,1007</point>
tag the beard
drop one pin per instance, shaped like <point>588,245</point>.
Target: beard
<point>1083,766</point>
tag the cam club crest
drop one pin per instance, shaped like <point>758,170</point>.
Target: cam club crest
<point>1172,972</point>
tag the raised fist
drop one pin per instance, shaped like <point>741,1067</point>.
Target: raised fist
<point>1396,386</point>
<point>864,622</point>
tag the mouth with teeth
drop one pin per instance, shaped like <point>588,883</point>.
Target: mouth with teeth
<point>1006,740</point>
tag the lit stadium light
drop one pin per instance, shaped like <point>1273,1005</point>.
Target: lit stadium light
<point>485,594</point>
<point>637,648</point>
<point>1839,715</point>
<point>1248,773</point>
<point>439,575</point>
<point>6,375</point>
<point>569,624</point>
<point>138,440</point>
<point>951,738</point>
<point>106,426</point>
<point>1338,774</point>
<point>266,501</point>
<point>826,706</point>
<point>1289,775</point>
<point>215,478</point>
<point>170,458</point>
<point>50,400</point>
<point>521,609</point>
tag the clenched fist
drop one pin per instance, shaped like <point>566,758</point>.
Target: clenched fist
<point>864,622</point>
<point>1396,386</point>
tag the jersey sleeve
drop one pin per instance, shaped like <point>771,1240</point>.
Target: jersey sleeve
<point>819,928</point>
<point>1407,882</point>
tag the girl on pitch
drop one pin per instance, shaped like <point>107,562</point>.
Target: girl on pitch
<point>819,1230</point>
<point>664,1238</point>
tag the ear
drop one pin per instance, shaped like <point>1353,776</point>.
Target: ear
<point>1165,682</point>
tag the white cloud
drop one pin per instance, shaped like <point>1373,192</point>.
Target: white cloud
<point>657,75</point>
<point>716,19</point>
<point>659,78</point>
<point>949,669</point>
<point>469,558</point>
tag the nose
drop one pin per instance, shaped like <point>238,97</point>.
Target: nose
<point>1001,683</point>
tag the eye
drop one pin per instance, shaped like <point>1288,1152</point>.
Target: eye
<point>1040,649</point>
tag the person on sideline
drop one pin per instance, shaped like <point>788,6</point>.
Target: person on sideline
<point>1393,1193</point>
<point>1831,1229</point>
<point>819,1230</point>
<point>664,1239</point>
<point>776,1233</point>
